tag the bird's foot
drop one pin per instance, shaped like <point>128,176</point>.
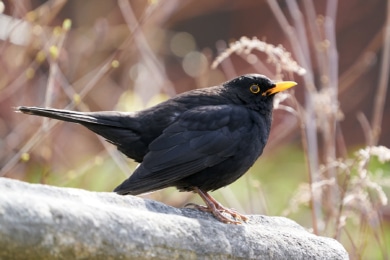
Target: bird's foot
<point>217,209</point>
<point>217,212</point>
<point>232,212</point>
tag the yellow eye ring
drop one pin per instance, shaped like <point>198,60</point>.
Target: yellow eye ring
<point>254,88</point>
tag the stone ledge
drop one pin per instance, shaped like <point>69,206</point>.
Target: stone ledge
<point>46,222</point>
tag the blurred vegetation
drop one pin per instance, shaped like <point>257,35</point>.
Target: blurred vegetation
<point>321,165</point>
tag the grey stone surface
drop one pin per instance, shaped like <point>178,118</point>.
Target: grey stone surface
<point>45,222</point>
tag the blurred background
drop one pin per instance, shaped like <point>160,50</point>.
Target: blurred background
<point>318,167</point>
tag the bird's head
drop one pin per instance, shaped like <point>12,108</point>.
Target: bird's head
<point>257,89</point>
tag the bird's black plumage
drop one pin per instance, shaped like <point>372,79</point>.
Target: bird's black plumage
<point>204,139</point>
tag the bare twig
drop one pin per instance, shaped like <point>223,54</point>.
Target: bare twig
<point>157,70</point>
<point>380,97</point>
<point>309,138</point>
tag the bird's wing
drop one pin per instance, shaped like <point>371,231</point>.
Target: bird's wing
<point>200,138</point>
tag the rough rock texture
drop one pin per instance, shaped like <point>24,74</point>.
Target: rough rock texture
<point>45,222</point>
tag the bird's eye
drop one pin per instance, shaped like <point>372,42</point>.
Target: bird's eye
<point>254,89</point>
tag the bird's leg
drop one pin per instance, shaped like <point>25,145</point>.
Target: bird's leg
<point>217,209</point>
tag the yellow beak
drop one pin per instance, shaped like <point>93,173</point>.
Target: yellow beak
<point>280,86</point>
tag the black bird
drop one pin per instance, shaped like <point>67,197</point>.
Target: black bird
<point>198,141</point>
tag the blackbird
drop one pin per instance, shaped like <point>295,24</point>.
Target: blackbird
<point>198,141</point>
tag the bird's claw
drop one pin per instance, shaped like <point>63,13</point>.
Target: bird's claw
<point>218,209</point>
